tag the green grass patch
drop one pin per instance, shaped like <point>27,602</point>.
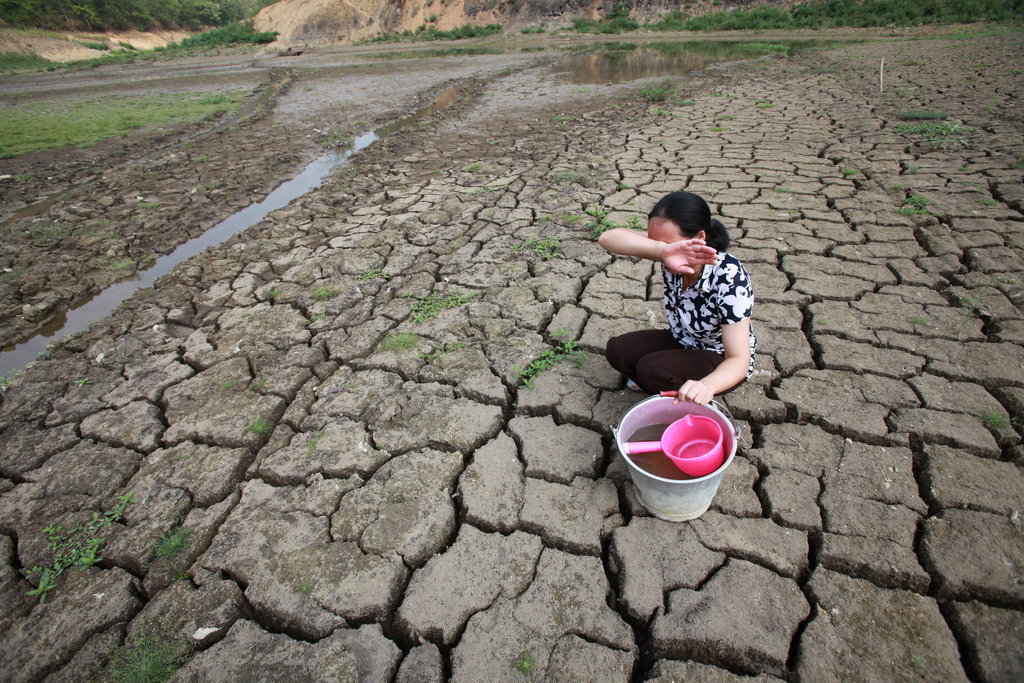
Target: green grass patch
<point>154,656</point>
<point>431,356</point>
<point>45,125</point>
<point>546,249</point>
<point>260,426</point>
<point>657,92</point>
<point>16,61</point>
<point>430,305</point>
<point>399,341</point>
<point>428,33</point>
<point>170,543</point>
<point>945,135</point>
<point>617,21</point>
<point>322,294</point>
<point>914,206</point>
<point>241,32</point>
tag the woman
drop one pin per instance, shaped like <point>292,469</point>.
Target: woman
<point>709,348</point>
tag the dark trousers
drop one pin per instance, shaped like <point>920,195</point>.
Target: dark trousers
<point>655,360</point>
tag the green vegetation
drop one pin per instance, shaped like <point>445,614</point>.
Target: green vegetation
<point>313,441</point>
<point>170,543</point>
<point>44,231</point>
<point>45,125</point>
<point>834,13</point>
<point>260,426</point>
<point>79,547</point>
<point>994,419</point>
<point>914,206</point>
<point>373,273</point>
<point>938,135</point>
<point>546,249</point>
<point>617,21</point>
<point>431,356</point>
<point>153,658</point>
<point>102,15</point>
<point>399,341</point>
<point>335,138</point>
<point>241,32</point>
<point>525,664</point>
<point>564,349</point>
<point>430,305</point>
<point>657,92</point>
<point>322,293</point>
<point>425,33</point>
<point>16,61</point>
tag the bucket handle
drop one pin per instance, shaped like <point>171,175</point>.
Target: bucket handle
<point>717,404</point>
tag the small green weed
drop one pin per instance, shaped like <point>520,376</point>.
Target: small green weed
<point>565,176</point>
<point>600,223</point>
<point>565,349</point>
<point>717,129</point>
<point>228,384</point>
<point>169,544</point>
<point>764,104</point>
<point>155,657</point>
<point>44,231</point>
<point>313,441</point>
<point>335,138</point>
<point>373,273</point>
<point>1019,163</point>
<point>971,303</point>
<point>994,419</point>
<point>82,382</point>
<point>914,206</point>
<point>322,294</point>
<point>657,92</point>
<point>271,294</point>
<point>305,588</point>
<point>79,547</point>
<point>317,317</point>
<point>430,305</point>
<point>399,341</point>
<point>938,135</point>
<point>431,356</point>
<point>546,249</point>
<point>259,383</point>
<point>260,426</point>
<point>988,201</point>
<point>917,321</point>
<point>473,168</point>
<point>918,660</point>
<point>849,172</point>
<point>525,664</point>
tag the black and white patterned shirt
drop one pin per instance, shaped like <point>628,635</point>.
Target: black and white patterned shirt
<point>721,295</point>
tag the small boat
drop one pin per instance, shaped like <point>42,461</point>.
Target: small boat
<point>290,52</point>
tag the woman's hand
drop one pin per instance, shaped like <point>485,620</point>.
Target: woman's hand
<point>694,391</point>
<point>680,257</point>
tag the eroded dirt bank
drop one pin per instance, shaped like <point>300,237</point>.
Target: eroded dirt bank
<point>364,492</point>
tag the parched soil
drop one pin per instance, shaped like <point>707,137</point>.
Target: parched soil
<point>364,492</point>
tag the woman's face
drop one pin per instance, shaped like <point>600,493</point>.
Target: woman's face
<point>665,230</point>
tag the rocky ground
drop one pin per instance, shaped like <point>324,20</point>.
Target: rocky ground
<point>328,482</point>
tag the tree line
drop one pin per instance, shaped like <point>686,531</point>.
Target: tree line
<point>120,15</point>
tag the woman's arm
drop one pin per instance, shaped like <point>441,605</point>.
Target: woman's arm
<point>678,256</point>
<point>731,371</point>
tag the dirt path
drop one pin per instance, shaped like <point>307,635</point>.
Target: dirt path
<point>362,491</point>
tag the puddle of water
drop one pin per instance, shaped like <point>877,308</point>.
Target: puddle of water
<point>102,305</point>
<point>598,63</point>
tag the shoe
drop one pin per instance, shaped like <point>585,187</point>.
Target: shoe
<point>633,386</point>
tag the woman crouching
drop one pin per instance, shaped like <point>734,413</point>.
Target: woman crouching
<point>709,346</point>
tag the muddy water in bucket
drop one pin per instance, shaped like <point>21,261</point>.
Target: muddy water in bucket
<point>669,495</point>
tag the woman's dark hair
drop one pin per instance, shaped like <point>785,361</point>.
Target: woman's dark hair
<point>691,214</point>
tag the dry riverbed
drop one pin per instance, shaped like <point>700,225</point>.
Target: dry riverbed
<point>334,466</point>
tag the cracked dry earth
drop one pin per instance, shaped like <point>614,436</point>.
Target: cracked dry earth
<point>365,506</point>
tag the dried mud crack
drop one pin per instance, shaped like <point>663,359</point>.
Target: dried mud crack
<point>329,409</point>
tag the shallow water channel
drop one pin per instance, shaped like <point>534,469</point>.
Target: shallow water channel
<point>610,62</point>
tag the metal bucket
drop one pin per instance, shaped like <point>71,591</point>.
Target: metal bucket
<point>675,500</point>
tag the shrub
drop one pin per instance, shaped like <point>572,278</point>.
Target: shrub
<point>232,34</point>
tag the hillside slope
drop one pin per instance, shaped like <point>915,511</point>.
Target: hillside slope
<point>319,22</point>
